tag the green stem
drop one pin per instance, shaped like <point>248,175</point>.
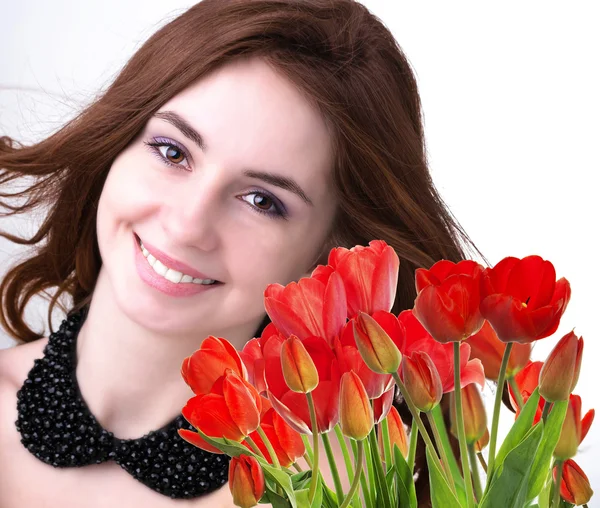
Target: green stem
<point>347,460</point>
<point>460,425</point>
<point>385,439</point>
<point>339,491</point>
<point>482,461</point>
<point>496,415</point>
<point>354,486</point>
<point>556,497</point>
<point>442,451</point>
<point>308,456</point>
<point>546,410</point>
<point>255,448</point>
<point>297,467</point>
<point>371,480</point>
<point>516,391</point>
<point>416,416</point>
<point>315,433</point>
<point>386,501</point>
<point>269,446</point>
<point>412,446</point>
<point>475,469</point>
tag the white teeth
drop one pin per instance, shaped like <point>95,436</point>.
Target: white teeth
<point>170,274</point>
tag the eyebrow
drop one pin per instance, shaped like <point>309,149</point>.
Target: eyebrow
<point>189,132</point>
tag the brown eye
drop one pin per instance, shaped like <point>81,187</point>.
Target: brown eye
<point>175,155</point>
<point>262,201</point>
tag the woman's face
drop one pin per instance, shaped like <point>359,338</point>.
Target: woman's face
<point>190,187</point>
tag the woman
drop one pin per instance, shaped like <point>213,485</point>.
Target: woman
<point>240,144</point>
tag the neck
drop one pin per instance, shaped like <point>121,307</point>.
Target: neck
<point>129,375</point>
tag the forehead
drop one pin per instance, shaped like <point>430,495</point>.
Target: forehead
<point>248,114</point>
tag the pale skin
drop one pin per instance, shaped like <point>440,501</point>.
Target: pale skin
<point>132,344</point>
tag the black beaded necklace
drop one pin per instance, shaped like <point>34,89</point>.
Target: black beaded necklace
<point>58,428</point>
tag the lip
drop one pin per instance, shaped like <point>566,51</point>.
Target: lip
<point>171,262</point>
<point>152,279</point>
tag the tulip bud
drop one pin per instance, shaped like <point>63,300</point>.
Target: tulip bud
<point>482,442</point>
<point>397,433</point>
<point>422,381</point>
<point>375,346</point>
<point>560,372</point>
<point>356,415</point>
<point>474,415</point>
<point>246,481</point>
<point>574,429</point>
<point>298,367</point>
<point>575,487</point>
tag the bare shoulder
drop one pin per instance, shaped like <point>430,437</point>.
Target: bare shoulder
<point>17,361</point>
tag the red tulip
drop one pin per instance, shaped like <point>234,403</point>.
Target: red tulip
<point>383,404</point>
<point>370,276</point>
<point>422,381</point>
<point>560,372</point>
<point>356,414</point>
<point>522,299</point>
<point>246,481</point>
<point>202,369</point>
<point>286,442</point>
<point>410,336</point>
<point>231,410</point>
<point>575,487</point>
<point>292,406</point>
<point>309,307</point>
<point>486,346</point>
<point>527,381</point>
<point>447,303</point>
<point>397,433</point>
<point>574,429</point>
<point>474,415</point>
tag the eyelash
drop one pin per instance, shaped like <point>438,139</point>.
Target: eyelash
<point>156,143</point>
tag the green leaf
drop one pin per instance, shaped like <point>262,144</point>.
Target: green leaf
<point>510,482</point>
<point>302,496</point>
<point>543,459</point>
<point>438,417</point>
<point>383,494</point>
<point>544,498</point>
<point>301,480</point>
<point>407,497</point>
<point>441,494</point>
<point>281,478</point>
<point>275,500</point>
<point>518,430</point>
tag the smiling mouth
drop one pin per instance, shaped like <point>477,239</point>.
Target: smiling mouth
<point>171,274</point>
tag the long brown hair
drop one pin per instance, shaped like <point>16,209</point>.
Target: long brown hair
<point>339,56</point>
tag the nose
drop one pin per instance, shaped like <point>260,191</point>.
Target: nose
<point>190,212</point>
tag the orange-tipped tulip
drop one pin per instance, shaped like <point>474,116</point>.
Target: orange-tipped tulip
<point>486,346</point>
<point>574,429</point>
<point>560,372</point>
<point>422,381</point>
<point>375,346</point>
<point>246,481</point>
<point>474,415</point>
<point>298,367</point>
<point>575,487</point>
<point>447,302</point>
<point>356,415</point>
<point>397,433</point>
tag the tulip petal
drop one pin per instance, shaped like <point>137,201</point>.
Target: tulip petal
<point>436,311</point>
<point>532,281</point>
<point>290,417</point>
<point>334,306</point>
<point>194,439</point>
<point>242,402</point>
<point>385,280</point>
<point>586,423</point>
<point>286,320</point>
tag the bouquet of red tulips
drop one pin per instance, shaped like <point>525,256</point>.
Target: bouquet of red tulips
<point>330,362</point>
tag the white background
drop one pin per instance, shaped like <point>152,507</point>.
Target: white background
<point>511,103</point>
